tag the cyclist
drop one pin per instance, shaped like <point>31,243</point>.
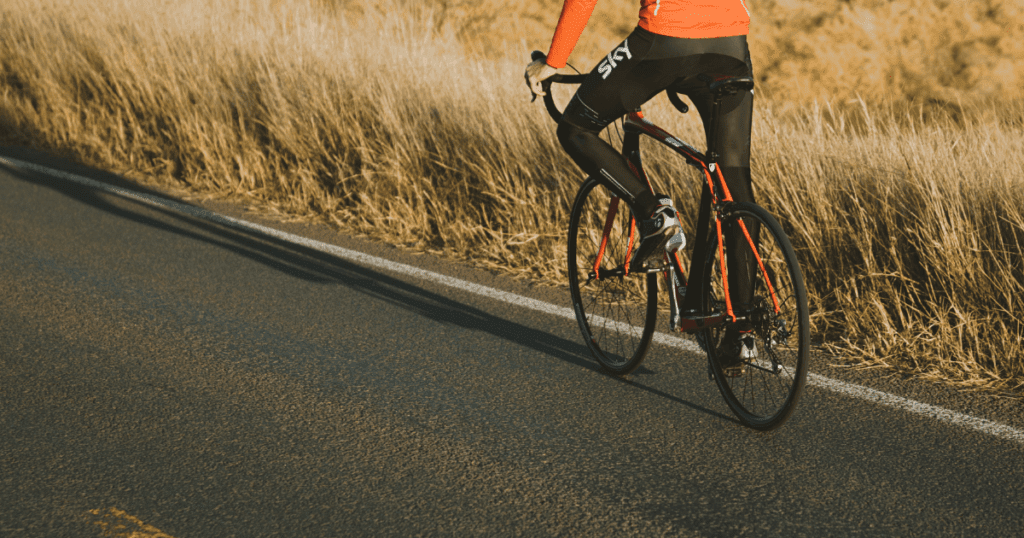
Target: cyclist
<point>673,43</point>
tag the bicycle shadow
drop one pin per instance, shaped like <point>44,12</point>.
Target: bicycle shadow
<point>320,267</point>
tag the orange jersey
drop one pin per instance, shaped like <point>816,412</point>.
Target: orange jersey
<point>673,18</point>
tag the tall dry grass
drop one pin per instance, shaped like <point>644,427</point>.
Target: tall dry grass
<point>910,233</point>
<point>908,223</point>
<point>375,125</point>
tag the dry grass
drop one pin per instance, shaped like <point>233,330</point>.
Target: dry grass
<point>910,234</point>
<point>908,224</point>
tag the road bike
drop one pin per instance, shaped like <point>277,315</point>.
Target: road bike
<point>617,301</point>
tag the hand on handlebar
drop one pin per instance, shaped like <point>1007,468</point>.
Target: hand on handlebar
<point>536,72</point>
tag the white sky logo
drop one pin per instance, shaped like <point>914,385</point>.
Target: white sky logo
<point>613,59</point>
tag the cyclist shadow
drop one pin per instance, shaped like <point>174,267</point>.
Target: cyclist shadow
<point>447,310</point>
<point>314,265</point>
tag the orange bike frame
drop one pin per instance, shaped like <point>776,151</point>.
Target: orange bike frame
<point>636,123</point>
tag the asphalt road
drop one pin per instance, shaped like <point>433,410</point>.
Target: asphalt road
<point>172,373</point>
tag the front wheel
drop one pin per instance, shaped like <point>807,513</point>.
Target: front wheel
<point>616,310</point>
<point>767,292</point>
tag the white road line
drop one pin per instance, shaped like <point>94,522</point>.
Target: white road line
<point>849,389</point>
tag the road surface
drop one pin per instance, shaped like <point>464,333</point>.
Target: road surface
<point>165,368</point>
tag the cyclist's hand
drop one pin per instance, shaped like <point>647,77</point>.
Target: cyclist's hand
<point>536,72</point>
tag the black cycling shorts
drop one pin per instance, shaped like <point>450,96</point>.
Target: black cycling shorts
<point>645,64</point>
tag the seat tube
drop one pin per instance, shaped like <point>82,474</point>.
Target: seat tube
<point>694,289</point>
<point>712,153</point>
<point>630,144</point>
<point>703,230</point>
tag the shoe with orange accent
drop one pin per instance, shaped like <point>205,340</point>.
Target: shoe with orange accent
<point>654,234</point>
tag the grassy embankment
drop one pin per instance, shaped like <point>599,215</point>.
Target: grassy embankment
<point>901,184</point>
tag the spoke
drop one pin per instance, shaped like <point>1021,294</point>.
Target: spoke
<point>614,307</point>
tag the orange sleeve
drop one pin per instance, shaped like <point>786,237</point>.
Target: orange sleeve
<point>575,14</point>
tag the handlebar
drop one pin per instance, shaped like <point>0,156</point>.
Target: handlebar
<point>549,102</point>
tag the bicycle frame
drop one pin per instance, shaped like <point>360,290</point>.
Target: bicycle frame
<point>714,196</point>
<point>762,392</point>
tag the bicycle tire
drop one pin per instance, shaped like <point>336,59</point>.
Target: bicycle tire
<point>616,314</point>
<point>765,396</point>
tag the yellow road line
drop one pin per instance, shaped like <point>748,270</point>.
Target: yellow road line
<point>120,524</point>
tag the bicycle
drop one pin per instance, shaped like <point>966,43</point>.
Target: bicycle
<point>616,301</point>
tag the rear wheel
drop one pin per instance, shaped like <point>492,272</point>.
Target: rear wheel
<point>616,311</point>
<point>765,395</point>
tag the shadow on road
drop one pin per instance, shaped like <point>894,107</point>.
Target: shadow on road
<point>312,265</point>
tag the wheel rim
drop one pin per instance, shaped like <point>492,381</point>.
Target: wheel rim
<point>765,394</point>
<point>616,312</point>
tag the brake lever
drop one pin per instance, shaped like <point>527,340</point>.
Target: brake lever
<point>534,56</point>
